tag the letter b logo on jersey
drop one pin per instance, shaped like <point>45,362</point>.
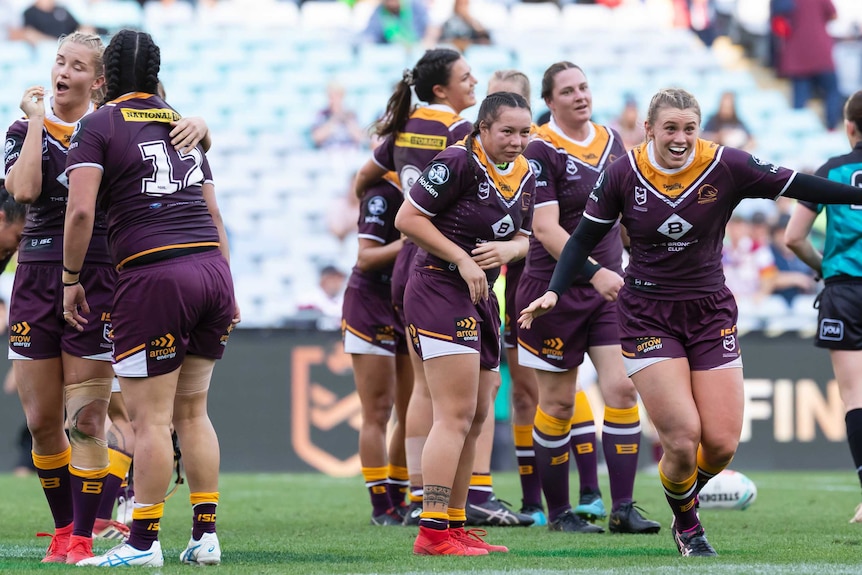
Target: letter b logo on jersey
<point>503,227</point>
<point>674,227</point>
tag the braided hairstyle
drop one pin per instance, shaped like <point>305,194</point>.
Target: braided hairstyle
<point>489,112</point>
<point>434,68</point>
<point>132,62</point>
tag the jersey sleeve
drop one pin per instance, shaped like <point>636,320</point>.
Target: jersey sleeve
<point>754,177</point>
<point>539,156</point>
<point>377,214</point>
<point>528,201</point>
<point>14,142</point>
<point>460,131</point>
<point>604,203</point>
<point>442,182</point>
<point>384,154</point>
<point>88,145</point>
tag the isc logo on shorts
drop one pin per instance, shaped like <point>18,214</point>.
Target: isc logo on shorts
<point>831,329</point>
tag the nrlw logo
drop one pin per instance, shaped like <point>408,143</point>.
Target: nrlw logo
<point>466,329</point>
<point>640,195</point>
<point>553,348</point>
<point>162,347</point>
<point>19,334</point>
<point>319,413</point>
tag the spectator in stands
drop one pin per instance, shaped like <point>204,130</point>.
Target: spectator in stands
<point>11,21</point>
<point>342,215</point>
<point>748,267</point>
<point>629,123</point>
<point>397,22</point>
<point>46,20</point>
<point>336,126</point>
<point>725,127</point>
<point>327,297</point>
<point>804,51</point>
<point>793,276</point>
<point>462,29</point>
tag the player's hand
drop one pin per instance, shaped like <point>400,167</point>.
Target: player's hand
<point>74,305</point>
<point>476,280</point>
<point>187,133</point>
<point>237,316</point>
<point>608,283</point>
<point>33,102</point>
<point>539,307</point>
<point>491,255</point>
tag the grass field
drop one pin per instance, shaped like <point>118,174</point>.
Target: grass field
<point>312,524</point>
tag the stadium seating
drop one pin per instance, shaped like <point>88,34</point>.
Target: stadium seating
<point>257,70</point>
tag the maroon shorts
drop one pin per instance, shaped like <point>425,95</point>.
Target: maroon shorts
<point>558,340</point>
<point>369,325</point>
<point>510,325</point>
<point>702,330</point>
<point>401,271</point>
<point>443,321</point>
<point>163,311</point>
<point>37,329</point>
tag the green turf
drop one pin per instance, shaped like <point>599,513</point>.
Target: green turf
<point>299,524</point>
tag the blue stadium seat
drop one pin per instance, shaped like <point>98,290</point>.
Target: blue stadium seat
<point>114,15</point>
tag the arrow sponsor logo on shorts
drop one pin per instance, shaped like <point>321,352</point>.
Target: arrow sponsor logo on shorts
<point>466,329</point>
<point>19,334</point>
<point>553,348</point>
<point>647,344</point>
<point>162,347</point>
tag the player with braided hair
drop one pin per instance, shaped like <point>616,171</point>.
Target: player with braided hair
<point>166,237</point>
<point>469,212</point>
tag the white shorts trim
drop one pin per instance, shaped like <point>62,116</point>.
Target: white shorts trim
<point>105,356</point>
<point>355,344</point>
<point>730,364</point>
<point>16,355</point>
<point>432,348</point>
<point>115,385</point>
<point>635,365</point>
<point>527,359</point>
<point>134,365</point>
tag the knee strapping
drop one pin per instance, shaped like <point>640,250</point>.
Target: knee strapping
<point>88,452</point>
<point>195,376</point>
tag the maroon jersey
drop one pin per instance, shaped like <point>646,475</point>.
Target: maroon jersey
<point>151,192</point>
<point>470,200</point>
<point>566,172</point>
<point>429,131</point>
<point>380,203</point>
<point>42,240</point>
<point>676,219</point>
